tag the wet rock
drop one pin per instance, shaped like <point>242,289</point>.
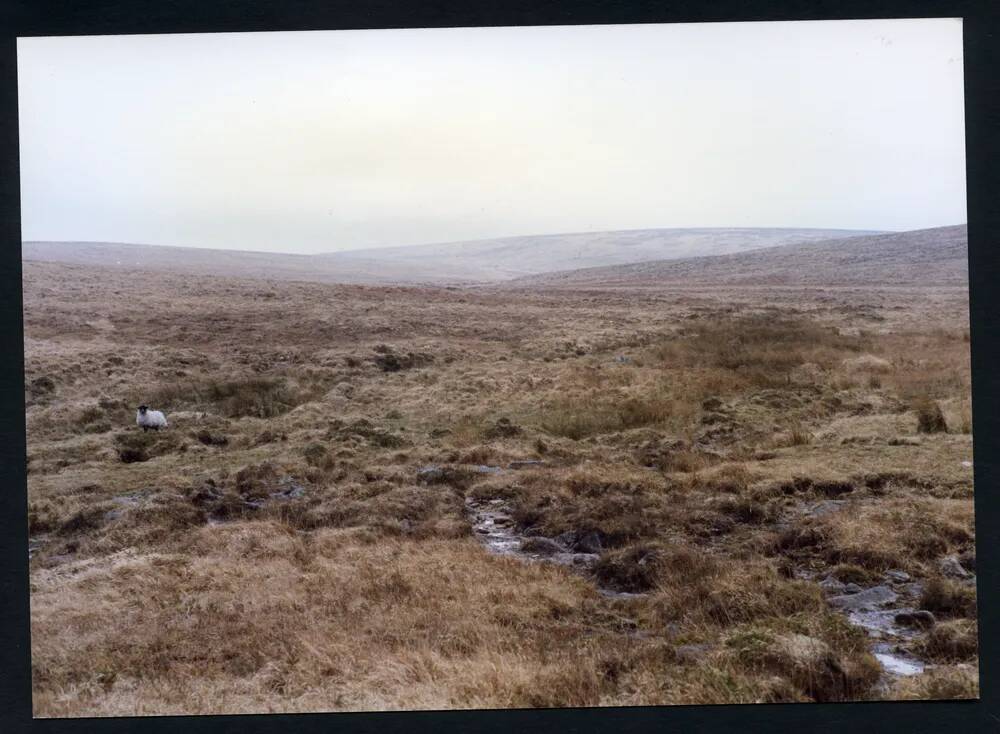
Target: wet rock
<point>832,586</point>
<point>592,542</point>
<point>920,618</point>
<point>486,469</point>
<point>542,546</point>
<point>872,598</point>
<point>526,463</point>
<point>434,474</point>
<point>968,561</point>
<point>290,491</point>
<point>897,576</point>
<point>586,560</point>
<point>826,507</point>
<point>951,566</point>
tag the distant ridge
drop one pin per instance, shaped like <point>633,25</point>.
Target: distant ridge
<point>511,257</point>
<point>937,256</point>
<point>479,261</point>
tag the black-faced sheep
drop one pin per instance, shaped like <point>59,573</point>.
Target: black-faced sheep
<point>148,419</point>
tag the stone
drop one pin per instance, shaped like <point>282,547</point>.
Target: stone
<point>968,561</point>
<point>434,474</point>
<point>592,542</point>
<point>526,463</point>
<point>950,566</point>
<point>832,586</point>
<point>920,618</point>
<point>897,576</point>
<point>485,469</point>
<point>542,546</point>
<point>826,507</point>
<point>871,598</point>
<point>567,539</point>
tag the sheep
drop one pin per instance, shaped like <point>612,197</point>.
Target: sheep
<point>150,419</point>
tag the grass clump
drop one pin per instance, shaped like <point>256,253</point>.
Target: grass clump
<point>577,419</point>
<point>948,598</point>
<point>951,641</point>
<point>258,397</point>
<point>930,418</point>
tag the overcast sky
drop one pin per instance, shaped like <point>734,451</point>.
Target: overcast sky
<point>329,140</point>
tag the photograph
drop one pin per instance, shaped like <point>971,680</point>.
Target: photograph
<point>511,367</point>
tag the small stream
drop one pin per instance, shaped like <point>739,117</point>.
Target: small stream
<point>875,609</point>
<point>878,611</point>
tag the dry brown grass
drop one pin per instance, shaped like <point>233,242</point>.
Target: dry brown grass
<point>284,548</point>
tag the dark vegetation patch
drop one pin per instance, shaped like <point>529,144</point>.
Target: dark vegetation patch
<point>85,520</point>
<point>761,349</point>
<point>930,419</point>
<point>388,360</point>
<point>138,446</point>
<point>502,428</point>
<point>620,510</point>
<point>258,397</point>
<point>211,438</point>
<point>365,429</point>
<point>951,642</point>
<point>576,419</point>
<point>634,569</point>
<point>948,598</point>
<point>848,573</point>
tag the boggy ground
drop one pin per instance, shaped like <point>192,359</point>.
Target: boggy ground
<point>300,538</point>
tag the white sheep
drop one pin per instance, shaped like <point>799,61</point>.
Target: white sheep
<point>150,419</point>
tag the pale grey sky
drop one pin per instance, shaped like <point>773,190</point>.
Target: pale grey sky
<point>329,140</point>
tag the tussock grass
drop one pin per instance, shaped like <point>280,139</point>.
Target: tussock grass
<point>259,397</point>
<point>285,546</point>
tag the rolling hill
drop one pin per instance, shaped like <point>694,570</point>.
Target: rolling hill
<point>512,257</point>
<point>937,256</point>
<point>457,262</point>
